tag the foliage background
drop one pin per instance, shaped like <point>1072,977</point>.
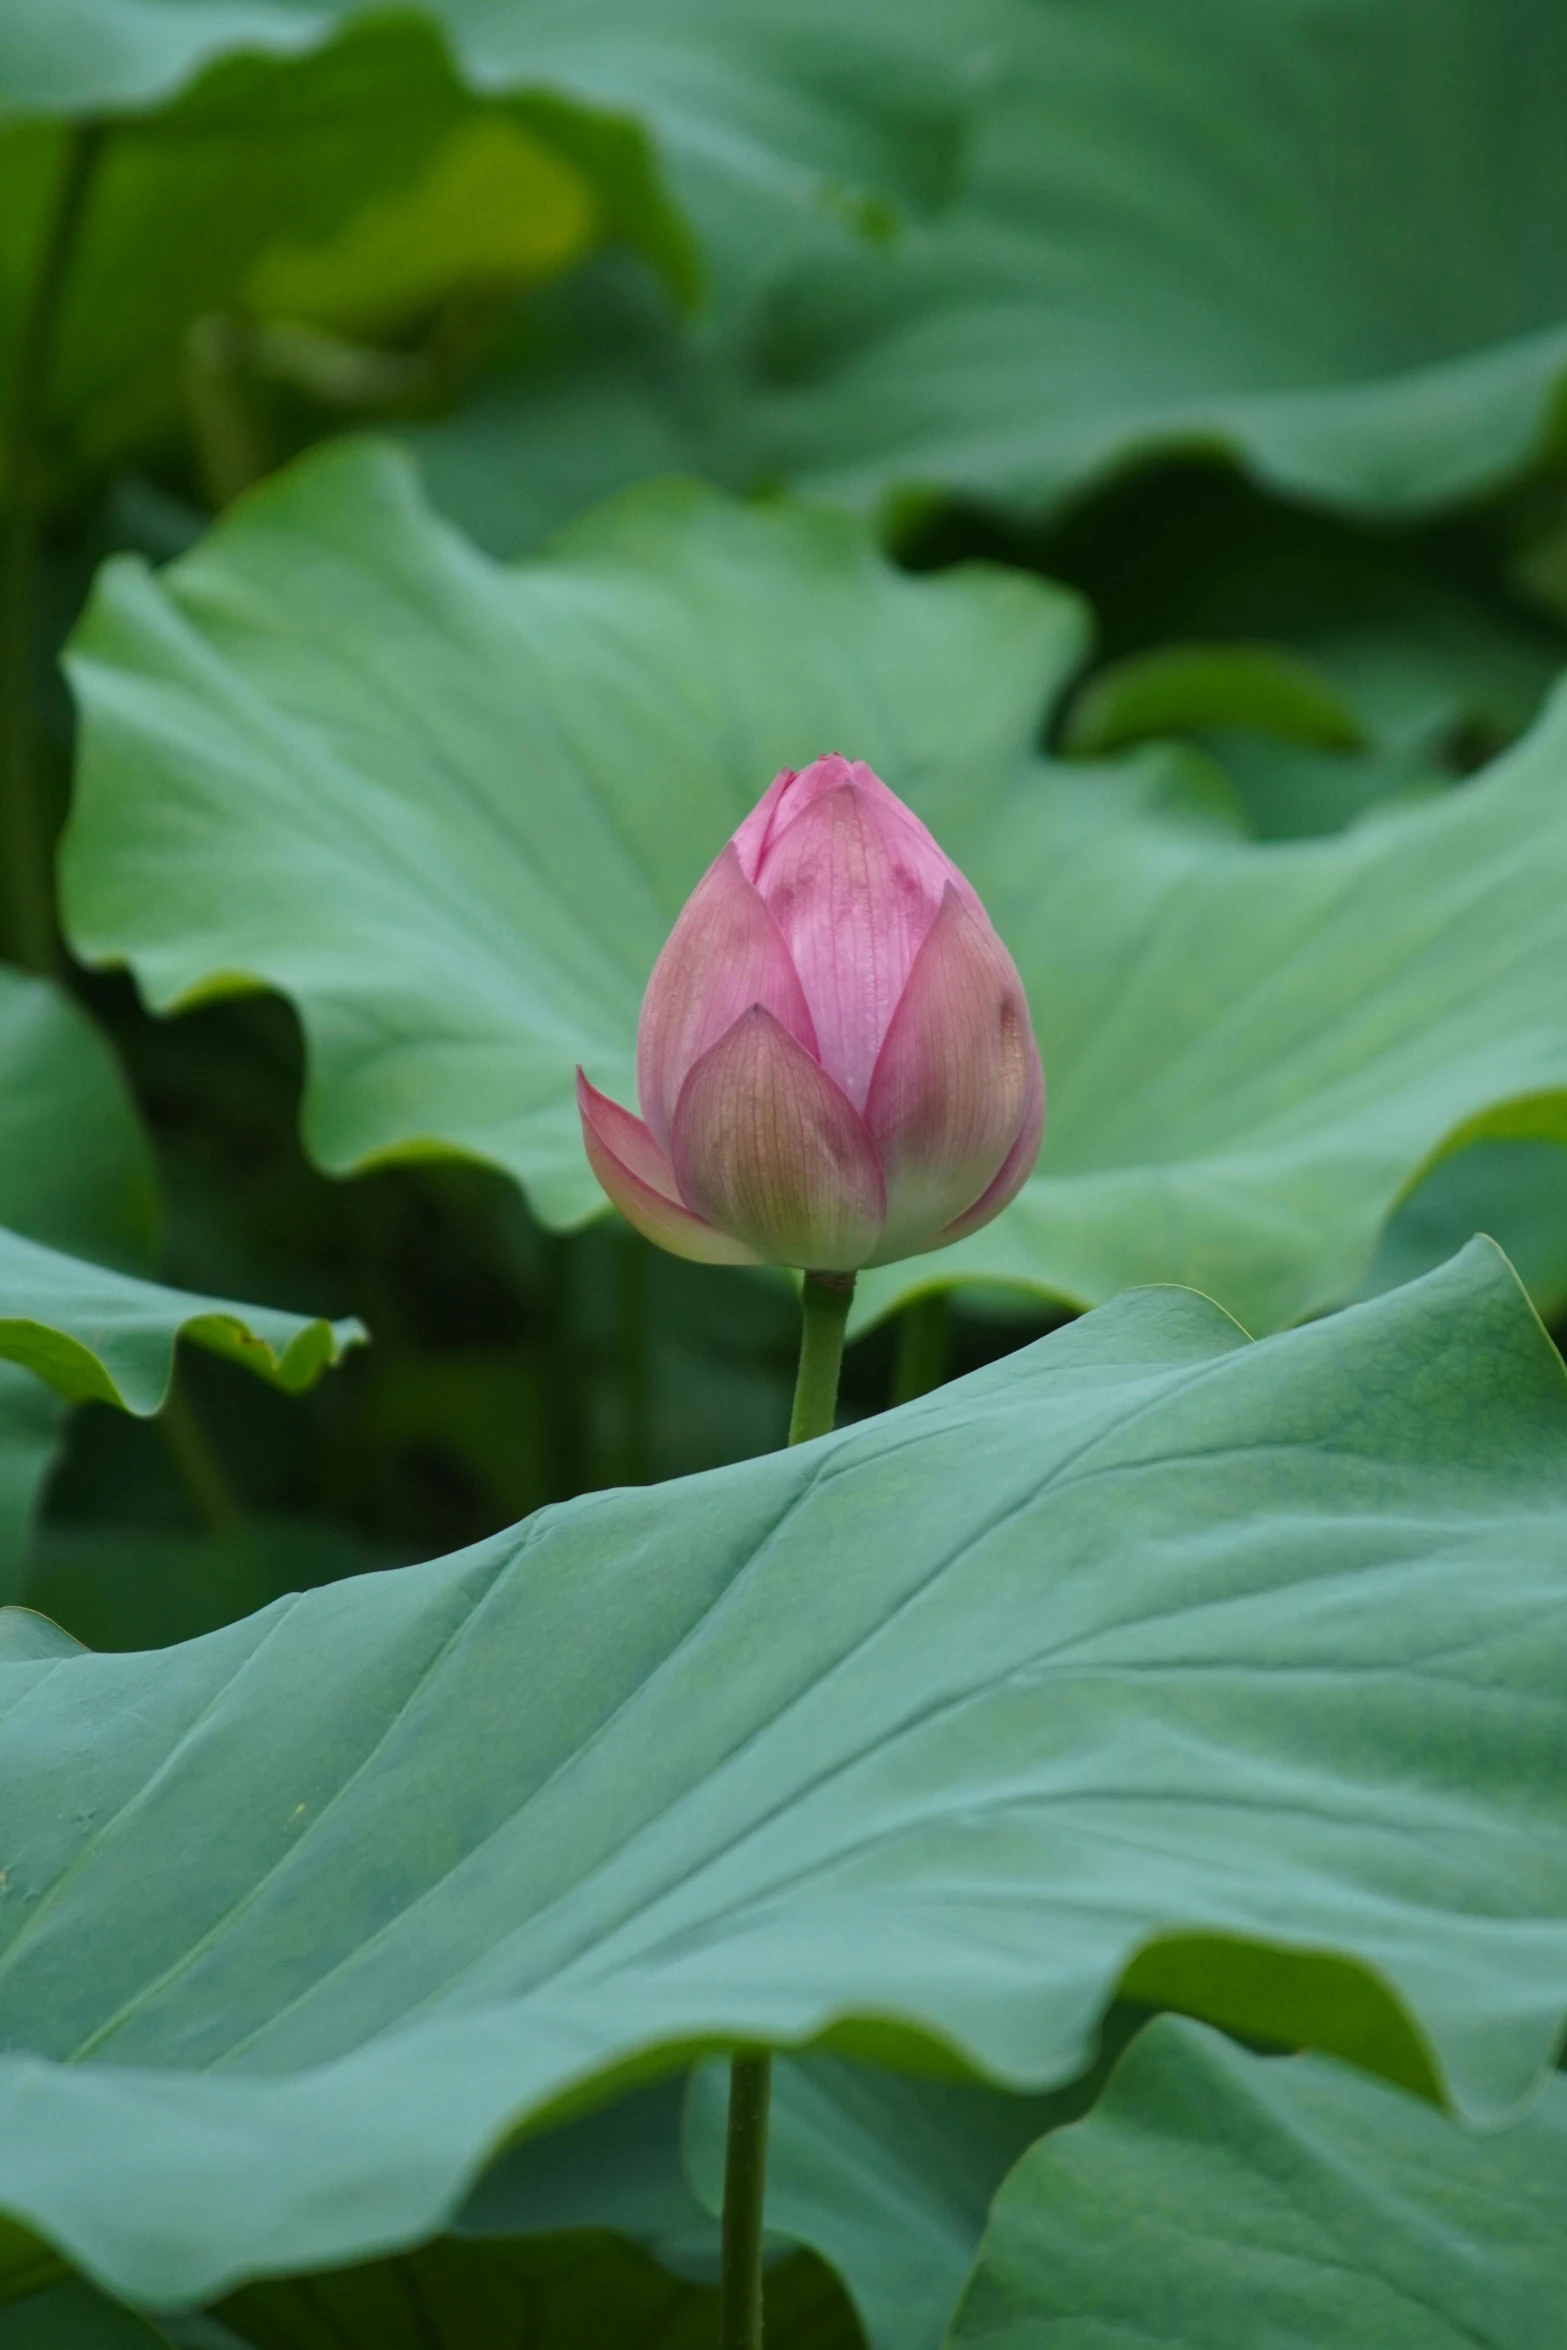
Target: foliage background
<point>1140,431</point>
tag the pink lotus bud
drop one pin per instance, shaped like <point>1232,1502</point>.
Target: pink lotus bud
<point>834,1059</point>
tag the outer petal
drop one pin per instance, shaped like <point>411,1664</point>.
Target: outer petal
<point>639,1179</point>
<point>954,1079</point>
<point>768,1148</point>
<point>1016,1169</point>
<point>853,903</point>
<point>724,954</point>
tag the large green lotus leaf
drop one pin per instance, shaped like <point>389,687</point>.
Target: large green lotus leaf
<point>452,810</point>
<point>94,1334</point>
<point>1244,2203</point>
<point>75,1171</point>
<point>1233,1671</point>
<point>779,95</point>
<point>1326,237</point>
<point>467,814</point>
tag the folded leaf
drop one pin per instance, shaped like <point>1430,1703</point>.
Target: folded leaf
<point>93,1334</point>
<point>1234,1671</point>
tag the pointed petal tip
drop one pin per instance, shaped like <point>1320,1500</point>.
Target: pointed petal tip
<point>636,1178</point>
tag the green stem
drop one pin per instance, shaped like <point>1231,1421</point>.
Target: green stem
<point>924,1332</point>
<point>824,1305</point>
<point>824,1302</point>
<point>745,2186</point>
<point>24,841</point>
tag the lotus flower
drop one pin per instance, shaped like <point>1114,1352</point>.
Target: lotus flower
<point>834,1059</point>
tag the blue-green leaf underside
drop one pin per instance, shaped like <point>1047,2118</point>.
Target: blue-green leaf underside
<point>1224,2201</point>
<point>467,803</point>
<point>1234,1671</point>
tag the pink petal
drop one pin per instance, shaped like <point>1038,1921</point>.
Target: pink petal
<point>789,795</point>
<point>853,904</point>
<point>750,842</point>
<point>953,1081</point>
<point>1016,1168</point>
<point>641,1183</point>
<point>768,1148</point>
<point>724,954</point>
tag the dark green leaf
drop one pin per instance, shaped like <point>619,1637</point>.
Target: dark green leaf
<point>1181,689</point>
<point>580,2292</point>
<point>1514,1191</point>
<point>30,1430</point>
<point>71,2316</point>
<point>75,1171</point>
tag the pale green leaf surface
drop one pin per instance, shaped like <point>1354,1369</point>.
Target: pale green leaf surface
<point>452,811</point>
<point>26,1637</point>
<point>93,1334</point>
<point>1246,1658</point>
<point>1220,2201</point>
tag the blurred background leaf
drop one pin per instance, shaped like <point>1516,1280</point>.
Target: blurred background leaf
<point>1253,1051</point>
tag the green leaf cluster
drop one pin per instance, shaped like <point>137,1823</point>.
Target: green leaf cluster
<point>450,459</point>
